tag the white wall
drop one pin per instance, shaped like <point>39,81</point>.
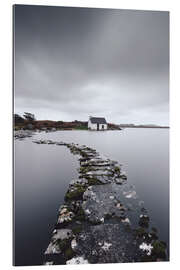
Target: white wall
<point>105,126</point>
<point>94,126</point>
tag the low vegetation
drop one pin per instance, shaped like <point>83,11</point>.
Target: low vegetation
<point>28,121</point>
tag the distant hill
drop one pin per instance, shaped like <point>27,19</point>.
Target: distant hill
<point>141,126</point>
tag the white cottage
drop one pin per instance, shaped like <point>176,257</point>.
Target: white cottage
<point>97,123</point>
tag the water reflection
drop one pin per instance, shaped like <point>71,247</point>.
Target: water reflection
<point>42,174</point>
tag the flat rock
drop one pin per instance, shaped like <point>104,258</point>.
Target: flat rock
<point>62,234</point>
<point>101,201</point>
<point>107,243</point>
<point>111,201</point>
<point>53,248</point>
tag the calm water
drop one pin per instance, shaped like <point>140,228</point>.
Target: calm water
<point>42,174</point>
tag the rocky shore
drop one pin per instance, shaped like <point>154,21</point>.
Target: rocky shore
<point>22,134</point>
<point>102,219</point>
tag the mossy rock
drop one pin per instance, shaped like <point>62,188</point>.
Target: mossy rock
<point>16,128</point>
<point>83,154</point>
<point>123,176</point>
<point>74,152</point>
<point>153,236</point>
<point>69,253</point>
<point>64,244</point>
<point>146,258</point>
<point>154,229</point>
<point>117,169</point>
<point>76,194</point>
<point>84,170</point>
<point>108,216</point>
<point>95,222</point>
<point>127,228</point>
<point>77,229</point>
<point>144,221</point>
<point>140,232</point>
<point>93,181</point>
<point>159,249</point>
<point>80,215</point>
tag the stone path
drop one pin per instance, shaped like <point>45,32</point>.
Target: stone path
<point>102,219</point>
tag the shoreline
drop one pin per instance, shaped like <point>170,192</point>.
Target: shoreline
<point>76,129</point>
<point>145,127</point>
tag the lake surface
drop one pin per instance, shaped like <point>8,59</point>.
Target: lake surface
<point>43,172</point>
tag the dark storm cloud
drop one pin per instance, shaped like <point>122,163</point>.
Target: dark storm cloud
<point>75,62</point>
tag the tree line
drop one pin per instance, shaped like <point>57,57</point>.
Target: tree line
<point>27,117</point>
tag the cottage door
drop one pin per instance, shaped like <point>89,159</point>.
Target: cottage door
<point>97,126</point>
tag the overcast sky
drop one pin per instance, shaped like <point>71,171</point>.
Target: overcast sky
<point>74,62</point>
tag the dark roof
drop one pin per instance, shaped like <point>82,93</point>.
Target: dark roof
<point>98,120</point>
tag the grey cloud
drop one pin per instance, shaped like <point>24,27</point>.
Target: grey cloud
<point>72,62</point>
